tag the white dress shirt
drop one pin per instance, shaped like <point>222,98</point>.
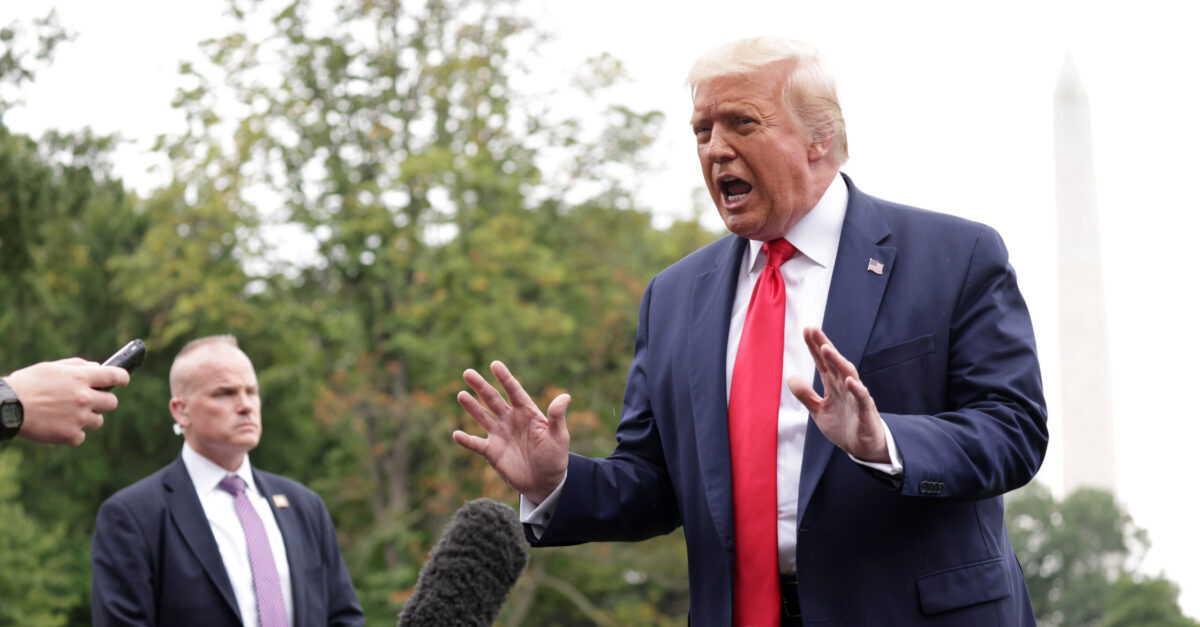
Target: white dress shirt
<point>227,529</point>
<point>806,276</point>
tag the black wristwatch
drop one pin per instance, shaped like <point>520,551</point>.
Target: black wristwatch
<point>12,415</point>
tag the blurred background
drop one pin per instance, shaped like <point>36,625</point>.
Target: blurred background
<point>374,196</point>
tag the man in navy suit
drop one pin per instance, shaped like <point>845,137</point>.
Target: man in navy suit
<point>902,385</point>
<point>208,540</point>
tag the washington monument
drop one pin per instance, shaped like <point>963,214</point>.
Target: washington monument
<point>1089,452</point>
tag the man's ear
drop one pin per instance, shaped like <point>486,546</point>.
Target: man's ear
<point>819,149</point>
<point>179,412</point>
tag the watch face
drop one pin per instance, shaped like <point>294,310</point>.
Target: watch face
<point>10,415</point>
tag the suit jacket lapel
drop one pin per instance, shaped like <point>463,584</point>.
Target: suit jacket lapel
<point>189,519</point>
<point>708,332</point>
<point>289,527</point>
<point>850,310</point>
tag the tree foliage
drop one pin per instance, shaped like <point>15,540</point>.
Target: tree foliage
<point>39,582</point>
<point>20,57</point>
<point>1080,556</point>
<point>1144,602</point>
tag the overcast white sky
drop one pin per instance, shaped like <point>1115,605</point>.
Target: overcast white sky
<point>948,107</point>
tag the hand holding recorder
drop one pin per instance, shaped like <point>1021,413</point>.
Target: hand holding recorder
<point>55,402</point>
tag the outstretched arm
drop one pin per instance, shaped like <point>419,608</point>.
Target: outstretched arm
<point>526,447</point>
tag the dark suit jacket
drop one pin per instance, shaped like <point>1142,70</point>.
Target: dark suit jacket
<point>155,560</point>
<point>943,341</point>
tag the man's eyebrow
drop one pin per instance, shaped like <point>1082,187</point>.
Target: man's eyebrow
<point>233,387</point>
<point>736,107</point>
<point>726,109</point>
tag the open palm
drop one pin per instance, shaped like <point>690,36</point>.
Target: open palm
<point>526,447</point>
<point>847,414</point>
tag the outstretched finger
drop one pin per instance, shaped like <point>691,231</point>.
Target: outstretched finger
<point>862,396</point>
<point>486,393</point>
<point>512,387</point>
<point>480,413</point>
<point>472,443</point>
<point>817,341</point>
<point>828,368</point>
<point>556,413</point>
<point>839,364</point>
<point>813,338</point>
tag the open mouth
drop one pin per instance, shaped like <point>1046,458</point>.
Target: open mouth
<point>734,188</point>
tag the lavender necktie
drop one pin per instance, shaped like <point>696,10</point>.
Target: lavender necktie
<point>271,610</point>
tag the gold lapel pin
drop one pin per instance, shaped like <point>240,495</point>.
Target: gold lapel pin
<point>280,500</point>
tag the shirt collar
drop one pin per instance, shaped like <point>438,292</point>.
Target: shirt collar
<point>818,232</point>
<point>206,474</point>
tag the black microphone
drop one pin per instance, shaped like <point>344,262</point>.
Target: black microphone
<point>478,559</point>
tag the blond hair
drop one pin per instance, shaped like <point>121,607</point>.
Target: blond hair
<point>809,92</point>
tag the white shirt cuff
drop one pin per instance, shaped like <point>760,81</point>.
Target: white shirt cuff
<point>538,516</point>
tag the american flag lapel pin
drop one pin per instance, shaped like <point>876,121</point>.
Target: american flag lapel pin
<point>875,266</point>
<point>280,500</point>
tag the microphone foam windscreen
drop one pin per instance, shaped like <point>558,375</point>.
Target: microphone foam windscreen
<point>480,556</point>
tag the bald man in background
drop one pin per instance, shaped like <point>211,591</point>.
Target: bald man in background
<point>209,540</point>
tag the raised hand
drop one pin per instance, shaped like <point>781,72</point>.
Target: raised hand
<point>526,447</point>
<point>847,415</point>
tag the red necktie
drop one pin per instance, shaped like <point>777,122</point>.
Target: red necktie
<point>753,430</point>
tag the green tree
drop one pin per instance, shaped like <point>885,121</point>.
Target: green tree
<point>39,581</point>
<point>1080,557</point>
<point>1144,602</point>
<point>20,57</point>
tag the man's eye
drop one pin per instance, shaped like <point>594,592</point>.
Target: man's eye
<point>745,121</point>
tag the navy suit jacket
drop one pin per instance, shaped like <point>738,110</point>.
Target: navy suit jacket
<point>155,560</point>
<point>943,341</point>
